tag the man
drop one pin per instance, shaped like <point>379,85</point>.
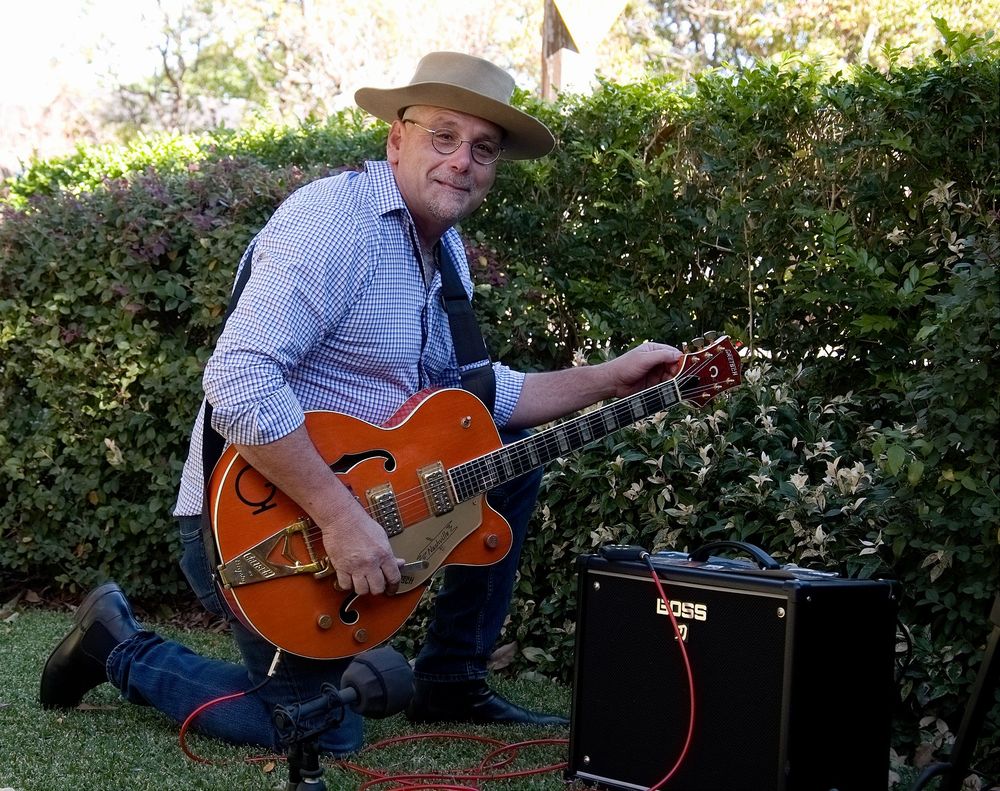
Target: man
<point>342,311</point>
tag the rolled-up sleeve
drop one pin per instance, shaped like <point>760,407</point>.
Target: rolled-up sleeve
<point>509,384</point>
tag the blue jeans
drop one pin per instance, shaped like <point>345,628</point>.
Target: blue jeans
<point>469,612</point>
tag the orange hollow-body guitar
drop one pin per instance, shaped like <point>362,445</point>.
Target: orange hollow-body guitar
<point>423,476</point>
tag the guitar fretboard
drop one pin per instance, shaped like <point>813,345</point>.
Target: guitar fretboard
<point>497,467</point>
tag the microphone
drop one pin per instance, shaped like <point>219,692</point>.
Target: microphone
<point>377,683</point>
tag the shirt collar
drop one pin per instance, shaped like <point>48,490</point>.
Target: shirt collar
<point>389,199</point>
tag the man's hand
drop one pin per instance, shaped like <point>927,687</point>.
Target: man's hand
<point>547,396</point>
<point>361,555</point>
<point>644,366</point>
<point>356,544</point>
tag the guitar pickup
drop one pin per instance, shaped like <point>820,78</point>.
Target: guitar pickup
<point>384,509</point>
<point>434,482</point>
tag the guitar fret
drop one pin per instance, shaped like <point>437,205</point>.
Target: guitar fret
<point>610,421</point>
<point>489,478</point>
<point>533,458</point>
<point>464,486</point>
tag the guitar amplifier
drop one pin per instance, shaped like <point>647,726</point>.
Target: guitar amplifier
<point>792,669</point>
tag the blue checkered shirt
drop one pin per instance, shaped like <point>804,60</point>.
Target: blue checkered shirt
<point>335,315</point>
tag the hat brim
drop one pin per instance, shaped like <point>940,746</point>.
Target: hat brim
<point>525,136</point>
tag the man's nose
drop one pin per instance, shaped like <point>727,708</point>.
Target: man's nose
<point>461,157</point>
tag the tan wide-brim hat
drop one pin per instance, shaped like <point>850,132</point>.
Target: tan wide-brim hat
<point>467,85</point>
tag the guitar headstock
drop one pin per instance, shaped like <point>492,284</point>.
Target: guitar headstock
<point>710,366</point>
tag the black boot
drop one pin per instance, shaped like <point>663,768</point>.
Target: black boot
<point>470,701</point>
<point>103,621</point>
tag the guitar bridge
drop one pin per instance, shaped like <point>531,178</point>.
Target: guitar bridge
<point>435,485</point>
<point>256,565</point>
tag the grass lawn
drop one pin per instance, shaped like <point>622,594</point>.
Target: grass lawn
<point>107,744</point>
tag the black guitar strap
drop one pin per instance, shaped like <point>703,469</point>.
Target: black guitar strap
<point>474,364</point>
<point>212,443</point>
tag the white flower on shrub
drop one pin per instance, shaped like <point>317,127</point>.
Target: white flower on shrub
<point>941,194</point>
<point>716,419</point>
<point>633,491</point>
<point>601,535</point>
<point>898,236</point>
<point>799,480</point>
<point>822,448</point>
<point>938,562</point>
<point>838,402</point>
<point>870,547</point>
<point>846,481</point>
<point>754,374</point>
<point>682,512</point>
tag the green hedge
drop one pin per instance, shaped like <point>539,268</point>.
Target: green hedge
<point>845,230</point>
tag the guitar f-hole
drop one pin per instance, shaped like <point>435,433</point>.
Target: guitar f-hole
<point>349,461</point>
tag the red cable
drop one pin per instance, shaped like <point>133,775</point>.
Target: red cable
<point>481,772</point>
<point>191,717</point>
<point>484,772</point>
<point>690,679</point>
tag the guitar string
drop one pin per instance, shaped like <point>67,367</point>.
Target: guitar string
<point>411,504</point>
<point>524,455</point>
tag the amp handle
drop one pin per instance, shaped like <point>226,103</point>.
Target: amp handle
<point>764,560</point>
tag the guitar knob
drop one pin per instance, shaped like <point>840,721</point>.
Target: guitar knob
<point>698,343</point>
<point>711,336</point>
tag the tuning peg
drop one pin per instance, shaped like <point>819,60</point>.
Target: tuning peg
<point>698,343</point>
<point>711,336</point>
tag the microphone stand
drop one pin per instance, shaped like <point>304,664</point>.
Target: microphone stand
<point>299,726</point>
<point>377,683</point>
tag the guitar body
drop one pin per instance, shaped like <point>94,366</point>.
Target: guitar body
<point>273,568</point>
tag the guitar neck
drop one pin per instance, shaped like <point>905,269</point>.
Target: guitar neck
<point>493,469</point>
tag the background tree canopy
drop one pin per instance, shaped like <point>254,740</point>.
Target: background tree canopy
<point>228,62</point>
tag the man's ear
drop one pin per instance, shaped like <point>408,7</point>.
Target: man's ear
<point>394,142</point>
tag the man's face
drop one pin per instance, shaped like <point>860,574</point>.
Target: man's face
<point>440,189</point>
